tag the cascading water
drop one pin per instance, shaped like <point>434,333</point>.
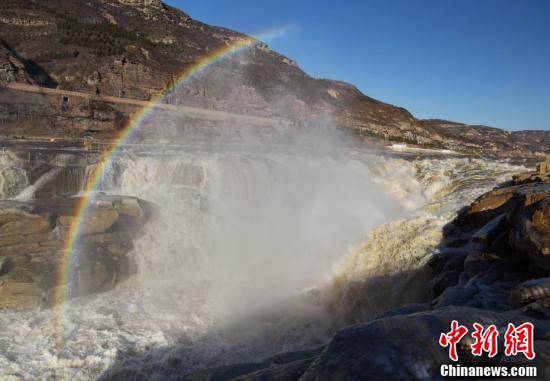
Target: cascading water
<point>42,177</point>
<point>392,257</point>
<point>238,263</point>
<point>257,224</point>
<point>13,177</point>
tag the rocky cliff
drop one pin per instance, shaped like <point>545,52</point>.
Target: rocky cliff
<point>488,139</point>
<point>134,49</point>
<point>32,239</point>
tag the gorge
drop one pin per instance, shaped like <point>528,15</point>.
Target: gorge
<point>243,220</point>
<point>227,228</point>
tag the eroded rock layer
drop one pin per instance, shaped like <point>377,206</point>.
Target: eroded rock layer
<point>134,49</point>
<point>33,237</point>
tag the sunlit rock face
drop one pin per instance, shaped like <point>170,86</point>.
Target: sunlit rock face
<point>517,217</point>
<point>136,48</point>
<point>33,256</point>
<point>142,3</point>
<point>11,68</point>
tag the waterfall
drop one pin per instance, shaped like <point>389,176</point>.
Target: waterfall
<point>251,252</point>
<point>13,177</point>
<point>251,225</point>
<point>53,176</point>
<point>29,192</point>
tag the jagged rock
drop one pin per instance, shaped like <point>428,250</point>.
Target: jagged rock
<point>542,174</point>
<point>477,262</point>
<point>32,236</point>
<point>456,296</point>
<point>284,372</point>
<point>534,290</point>
<point>440,258</point>
<point>538,310</point>
<point>126,375</point>
<point>491,230</point>
<point>14,221</point>
<point>130,207</point>
<point>448,266</point>
<point>504,200</point>
<point>531,233</point>
<point>544,167</point>
<point>500,245</point>
<point>407,309</point>
<point>402,346</point>
<point>541,217</point>
<point>513,220</point>
<point>405,347</point>
<point>96,222</point>
<point>284,366</point>
<point>523,178</point>
<point>490,205</point>
<point>530,177</point>
<point>12,69</point>
<point>142,3</point>
<point>480,280</point>
<point>494,286</point>
<point>525,197</point>
<point>510,244</point>
<point>444,280</point>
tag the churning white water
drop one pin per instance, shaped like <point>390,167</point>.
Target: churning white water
<point>228,268</point>
<point>13,177</point>
<point>258,225</point>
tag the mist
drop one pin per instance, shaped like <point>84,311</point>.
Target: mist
<point>253,216</point>
<point>249,224</point>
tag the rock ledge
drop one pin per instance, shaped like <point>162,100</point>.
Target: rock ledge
<point>32,236</point>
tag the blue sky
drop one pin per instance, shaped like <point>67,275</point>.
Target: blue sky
<point>473,61</point>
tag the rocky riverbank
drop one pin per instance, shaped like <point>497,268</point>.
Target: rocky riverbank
<point>492,267</point>
<point>32,239</point>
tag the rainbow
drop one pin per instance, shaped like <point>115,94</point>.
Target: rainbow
<point>61,293</point>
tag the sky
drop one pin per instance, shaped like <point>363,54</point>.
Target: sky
<point>473,61</point>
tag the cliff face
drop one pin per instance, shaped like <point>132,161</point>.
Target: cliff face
<point>32,236</point>
<point>489,139</point>
<point>12,69</point>
<point>134,48</point>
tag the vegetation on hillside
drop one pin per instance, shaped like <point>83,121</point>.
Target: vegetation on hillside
<point>101,39</point>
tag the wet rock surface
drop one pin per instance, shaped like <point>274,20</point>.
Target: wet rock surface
<point>405,347</point>
<point>284,366</point>
<point>33,253</point>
